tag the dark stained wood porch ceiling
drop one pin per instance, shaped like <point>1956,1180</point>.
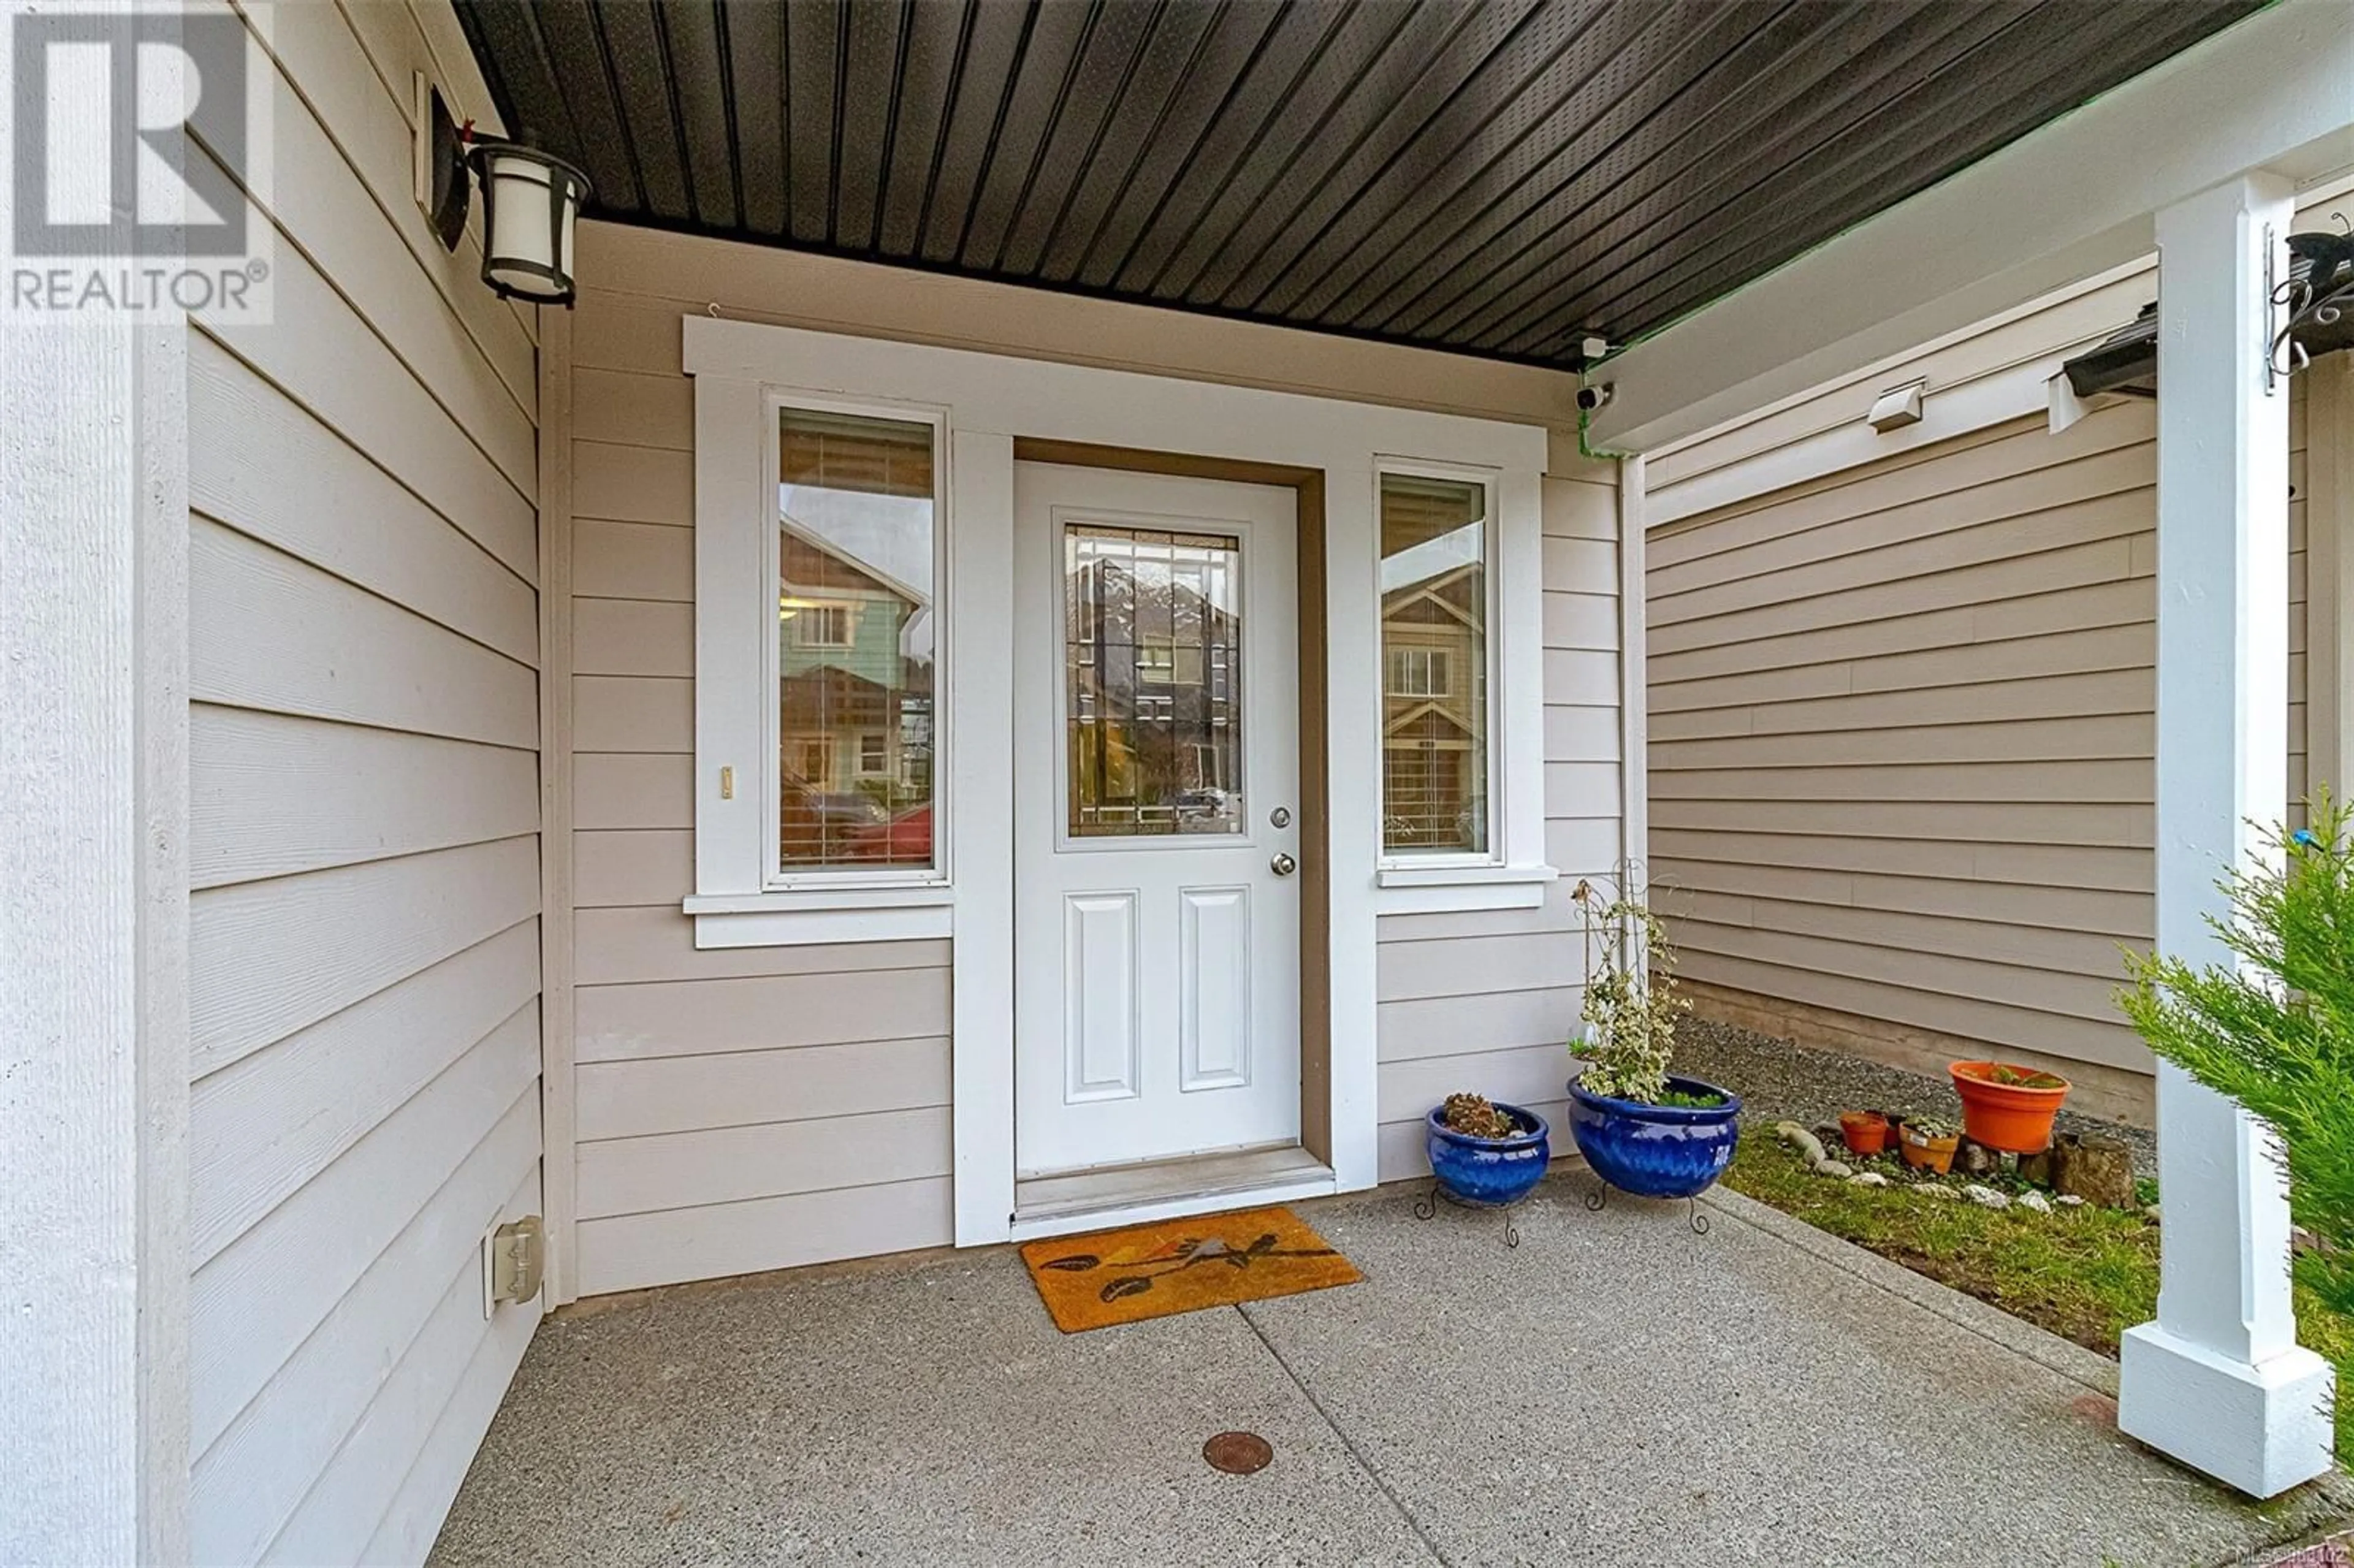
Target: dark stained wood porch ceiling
<point>1500,177</point>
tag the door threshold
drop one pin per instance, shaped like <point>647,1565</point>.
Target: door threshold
<point>1166,1189</point>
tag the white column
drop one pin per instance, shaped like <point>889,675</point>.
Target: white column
<point>93,943</point>
<point>2217,1380</point>
<point>93,918</point>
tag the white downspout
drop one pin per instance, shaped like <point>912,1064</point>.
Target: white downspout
<point>1634,710</point>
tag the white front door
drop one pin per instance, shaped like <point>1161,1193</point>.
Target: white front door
<point>1156,799</point>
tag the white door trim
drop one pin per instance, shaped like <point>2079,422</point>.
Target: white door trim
<point>991,400</point>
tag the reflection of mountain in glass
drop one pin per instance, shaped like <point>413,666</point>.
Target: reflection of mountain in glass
<point>1153,661</point>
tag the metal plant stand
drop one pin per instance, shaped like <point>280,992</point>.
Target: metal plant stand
<point>1427,1207</point>
<point>1599,1195</point>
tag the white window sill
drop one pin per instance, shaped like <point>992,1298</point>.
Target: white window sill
<point>1453,889</point>
<point>832,914</point>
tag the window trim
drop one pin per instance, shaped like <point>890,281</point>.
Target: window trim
<point>744,896</point>
<point>1511,873</point>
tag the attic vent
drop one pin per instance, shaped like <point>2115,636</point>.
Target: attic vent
<point>1896,408</point>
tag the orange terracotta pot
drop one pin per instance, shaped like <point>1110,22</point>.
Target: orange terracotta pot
<point>1866,1132</point>
<point>1924,1153</point>
<point>2014,1116</point>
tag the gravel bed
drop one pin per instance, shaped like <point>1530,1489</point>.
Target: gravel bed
<point>1782,1080</point>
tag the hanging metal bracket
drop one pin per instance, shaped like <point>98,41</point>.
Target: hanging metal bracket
<point>2276,336</point>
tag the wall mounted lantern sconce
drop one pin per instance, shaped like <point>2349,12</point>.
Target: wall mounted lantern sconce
<point>531,203</point>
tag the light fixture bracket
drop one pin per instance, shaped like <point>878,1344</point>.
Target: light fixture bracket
<point>531,199</point>
<point>440,165</point>
<point>2310,312</point>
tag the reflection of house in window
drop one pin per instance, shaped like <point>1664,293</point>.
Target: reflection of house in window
<point>1434,641</point>
<point>1160,662</point>
<point>819,625</point>
<point>847,696</point>
<point>915,741</point>
<point>857,550</point>
<point>1420,672</point>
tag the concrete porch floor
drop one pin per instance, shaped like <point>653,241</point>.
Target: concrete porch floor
<point>1617,1390</point>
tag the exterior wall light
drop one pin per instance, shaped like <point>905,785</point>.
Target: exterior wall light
<point>531,202</point>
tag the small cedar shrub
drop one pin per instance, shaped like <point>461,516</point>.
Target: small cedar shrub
<point>2274,1028</point>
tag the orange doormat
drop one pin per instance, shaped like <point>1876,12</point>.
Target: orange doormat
<point>1181,1265</point>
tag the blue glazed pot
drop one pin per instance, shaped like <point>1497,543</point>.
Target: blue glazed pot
<point>1656,1151</point>
<point>1490,1171</point>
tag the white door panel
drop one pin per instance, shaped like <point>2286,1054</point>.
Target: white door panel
<point>1156,942</point>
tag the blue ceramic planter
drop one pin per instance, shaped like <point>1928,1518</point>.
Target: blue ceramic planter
<point>1656,1151</point>
<point>1489,1172</point>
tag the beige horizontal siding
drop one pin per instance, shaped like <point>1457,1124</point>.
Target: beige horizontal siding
<point>1485,1002</point>
<point>736,1110</point>
<point>363,774</point>
<point>1901,735</point>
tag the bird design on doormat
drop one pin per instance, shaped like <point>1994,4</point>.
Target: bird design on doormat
<point>1179,1255</point>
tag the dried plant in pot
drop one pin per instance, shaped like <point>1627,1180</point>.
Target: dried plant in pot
<point>1642,1128</point>
<point>1487,1153</point>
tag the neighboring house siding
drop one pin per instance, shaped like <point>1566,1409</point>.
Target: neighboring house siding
<point>1485,1002</point>
<point>1900,742</point>
<point>364,933</point>
<point>761,1108</point>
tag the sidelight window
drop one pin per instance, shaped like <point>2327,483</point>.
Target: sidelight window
<point>1437,728</point>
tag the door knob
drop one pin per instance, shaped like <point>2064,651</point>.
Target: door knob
<point>1283,865</point>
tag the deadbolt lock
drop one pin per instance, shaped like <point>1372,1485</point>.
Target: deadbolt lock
<point>1280,817</point>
